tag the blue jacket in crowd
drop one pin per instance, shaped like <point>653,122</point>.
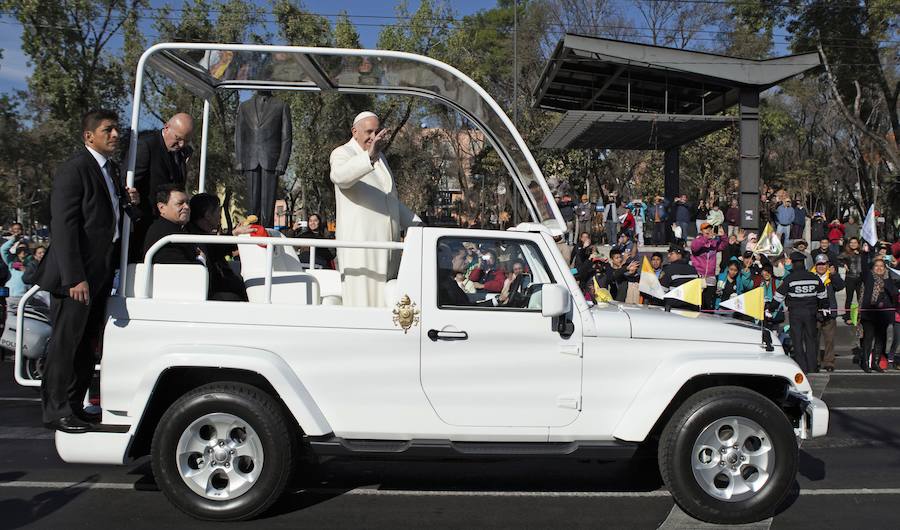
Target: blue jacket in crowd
<point>682,213</point>
<point>743,282</point>
<point>784,215</point>
<point>15,284</point>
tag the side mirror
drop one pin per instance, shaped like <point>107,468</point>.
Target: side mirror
<point>556,300</point>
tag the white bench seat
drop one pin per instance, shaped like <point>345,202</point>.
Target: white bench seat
<point>182,282</point>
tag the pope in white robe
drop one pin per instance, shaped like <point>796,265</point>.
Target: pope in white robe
<point>368,209</point>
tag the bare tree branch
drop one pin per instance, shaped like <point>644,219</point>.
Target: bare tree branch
<point>888,148</point>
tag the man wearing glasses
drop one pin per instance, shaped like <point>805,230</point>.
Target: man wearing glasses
<point>161,160</point>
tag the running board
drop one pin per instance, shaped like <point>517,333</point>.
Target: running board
<point>104,428</point>
<point>330,445</point>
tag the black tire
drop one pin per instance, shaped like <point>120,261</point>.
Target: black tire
<point>676,457</point>
<point>34,368</point>
<point>262,413</point>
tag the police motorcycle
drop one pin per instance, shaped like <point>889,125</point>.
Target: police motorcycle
<point>35,334</point>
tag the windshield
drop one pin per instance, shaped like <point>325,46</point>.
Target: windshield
<point>205,68</point>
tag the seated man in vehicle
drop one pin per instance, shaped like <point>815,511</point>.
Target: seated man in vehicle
<point>174,213</point>
<point>487,275</point>
<point>515,287</point>
<point>206,215</point>
<point>449,290</point>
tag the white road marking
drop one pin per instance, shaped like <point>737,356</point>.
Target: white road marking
<point>19,399</point>
<point>859,371</point>
<point>64,485</point>
<point>891,409</point>
<point>373,490</point>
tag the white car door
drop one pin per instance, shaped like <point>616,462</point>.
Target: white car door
<point>484,361</point>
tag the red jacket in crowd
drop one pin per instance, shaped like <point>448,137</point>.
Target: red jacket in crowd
<point>492,279</point>
<point>628,222</point>
<point>835,232</point>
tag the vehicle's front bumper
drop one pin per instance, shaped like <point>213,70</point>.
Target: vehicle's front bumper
<point>814,419</point>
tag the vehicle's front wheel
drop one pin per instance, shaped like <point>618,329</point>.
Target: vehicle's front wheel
<point>728,455</point>
<point>220,452</point>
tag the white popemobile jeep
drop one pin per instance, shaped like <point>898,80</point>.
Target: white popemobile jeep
<point>227,398</point>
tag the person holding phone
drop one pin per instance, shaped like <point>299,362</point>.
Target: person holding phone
<point>487,275</point>
<point>515,287</point>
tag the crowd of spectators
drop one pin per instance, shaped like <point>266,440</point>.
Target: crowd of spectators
<point>705,241</point>
<point>21,257</point>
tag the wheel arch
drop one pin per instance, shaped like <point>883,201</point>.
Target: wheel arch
<point>265,371</point>
<point>639,426</point>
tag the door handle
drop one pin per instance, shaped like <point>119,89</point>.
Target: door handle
<point>436,335</point>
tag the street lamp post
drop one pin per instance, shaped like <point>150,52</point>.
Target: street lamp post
<point>515,94</point>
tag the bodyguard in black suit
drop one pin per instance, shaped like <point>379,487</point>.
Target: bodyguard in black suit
<point>86,206</point>
<point>161,160</point>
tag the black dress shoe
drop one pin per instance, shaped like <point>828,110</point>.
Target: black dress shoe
<point>70,424</point>
<point>88,417</point>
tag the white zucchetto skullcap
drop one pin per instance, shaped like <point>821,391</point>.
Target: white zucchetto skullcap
<point>363,115</point>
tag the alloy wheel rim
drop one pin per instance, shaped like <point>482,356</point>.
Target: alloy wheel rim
<point>219,456</point>
<point>733,458</point>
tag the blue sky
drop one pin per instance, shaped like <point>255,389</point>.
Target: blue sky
<point>369,17</point>
<point>14,68</point>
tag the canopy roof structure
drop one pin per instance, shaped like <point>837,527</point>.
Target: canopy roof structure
<point>625,95</point>
<point>205,69</point>
<point>590,129</point>
<point>597,74</point>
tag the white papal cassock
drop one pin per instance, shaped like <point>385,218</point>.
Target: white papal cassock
<point>368,209</point>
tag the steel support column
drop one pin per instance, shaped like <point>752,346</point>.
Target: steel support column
<point>671,172</point>
<point>749,167</point>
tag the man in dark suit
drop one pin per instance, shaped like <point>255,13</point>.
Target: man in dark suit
<point>161,159</point>
<point>262,145</point>
<point>86,206</point>
<point>173,214</point>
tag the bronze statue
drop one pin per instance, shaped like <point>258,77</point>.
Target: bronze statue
<point>262,145</point>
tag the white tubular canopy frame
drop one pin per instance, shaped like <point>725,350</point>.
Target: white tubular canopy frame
<point>204,69</point>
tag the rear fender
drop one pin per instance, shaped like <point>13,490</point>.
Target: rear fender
<point>270,366</point>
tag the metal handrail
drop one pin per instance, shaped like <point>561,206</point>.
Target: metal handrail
<point>20,335</point>
<point>269,242</point>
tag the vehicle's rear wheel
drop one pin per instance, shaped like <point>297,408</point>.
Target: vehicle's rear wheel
<point>34,368</point>
<point>728,455</point>
<point>219,452</point>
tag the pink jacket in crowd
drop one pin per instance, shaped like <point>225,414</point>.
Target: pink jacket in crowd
<point>703,254</point>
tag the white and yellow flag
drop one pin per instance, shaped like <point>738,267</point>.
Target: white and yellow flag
<point>649,283</point>
<point>690,292</point>
<point>769,243</point>
<point>752,303</point>
<point>868,227</point>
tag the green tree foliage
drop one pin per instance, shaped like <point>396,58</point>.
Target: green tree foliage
<point>68,43</point>
<point>200,21</point>
<point>321,120</point>
<point>826,137</point>
<point>858,40</point>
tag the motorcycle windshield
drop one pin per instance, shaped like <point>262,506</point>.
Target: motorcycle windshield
<point>205,68</point>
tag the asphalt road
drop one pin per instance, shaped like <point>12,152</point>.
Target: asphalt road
<point>849,479</point>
